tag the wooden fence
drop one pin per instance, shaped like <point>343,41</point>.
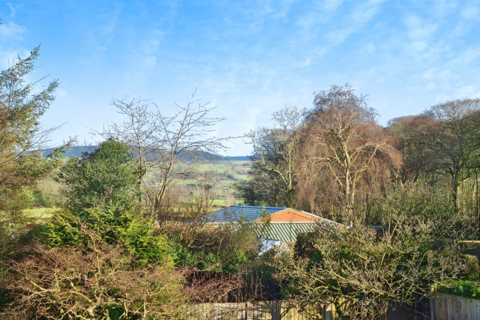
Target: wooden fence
<point>262,310</point>
<point>272,310</point>
<point>442,306</point>
<point>450,307</point>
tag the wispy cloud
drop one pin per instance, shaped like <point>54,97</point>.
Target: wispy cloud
<point>471,11</point>
<point>8,57</point>
<point>12,30</point>
<point>420,34</point>
<point>108,29</point>
<point>331,5</point>
<point>14,8</point>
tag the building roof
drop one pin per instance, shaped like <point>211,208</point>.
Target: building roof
<point>286,232</point>
<point>274,223</point>
<point>257,213</point>
<point>242,213</point>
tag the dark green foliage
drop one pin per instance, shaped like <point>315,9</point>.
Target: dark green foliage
<point>107,177</point>
<point>227,261</point>
<point>462,288</point>
<point>20,106</point>
<point>115,227</point>
<point>22,103</point>
<point>473,269</point>
<point>304,245</point>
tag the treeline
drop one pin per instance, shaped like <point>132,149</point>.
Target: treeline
<point>128,241</point>
<point>335,160</point>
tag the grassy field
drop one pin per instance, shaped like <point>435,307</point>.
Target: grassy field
<point>221,202</point>
<point>221,174</point>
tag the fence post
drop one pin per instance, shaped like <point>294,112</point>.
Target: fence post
<point>330,311</point>
<point>431,303</point>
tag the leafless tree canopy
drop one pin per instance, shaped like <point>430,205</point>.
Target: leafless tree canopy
<point>342,145</point>
<point>443,140</point>
<point>164,143</point>
<point>275,152</point>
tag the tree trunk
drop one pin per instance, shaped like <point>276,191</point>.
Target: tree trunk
<point>290,198</point>
<point>455,185</point>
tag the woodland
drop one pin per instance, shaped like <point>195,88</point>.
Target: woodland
<point>125,238</point>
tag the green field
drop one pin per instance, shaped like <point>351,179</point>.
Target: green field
<point>220,175</point>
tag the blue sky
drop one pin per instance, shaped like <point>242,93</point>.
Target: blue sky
<point>249,58</point>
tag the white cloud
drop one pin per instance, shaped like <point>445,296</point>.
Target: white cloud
<point>468,56</point>
<point>151,46</point>
<point>11,30</point>
<point>8,57</point>
<point>356,21</point>
<point>444,7</point>
<point>469,91</point>
<point>150,61</point>
<point>429,74</point>
<point>13,8</point>
<point>331,5</point>
<point>368,48</point>
<point>60,93</point>
<point>471,13</point>
<point>442,98</point>
<point>285,6</point>
<point>419,30</point>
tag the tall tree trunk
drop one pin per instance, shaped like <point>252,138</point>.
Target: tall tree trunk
<point>290,198</point>
<point>455,186</point>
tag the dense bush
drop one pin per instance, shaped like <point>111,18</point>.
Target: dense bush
<point>115,227</point>
<point>403,261</point>
<point>92,281</point>
<point>106,177</point>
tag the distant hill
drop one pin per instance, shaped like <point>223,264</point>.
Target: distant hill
<point>79,150</point>
<point>73,152</point>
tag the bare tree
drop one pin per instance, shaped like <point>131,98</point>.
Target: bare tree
<point>166,144</point>
<point>275,152</point>
<point>138,131</point>
<point>341,143</point>
<point>449,133</point>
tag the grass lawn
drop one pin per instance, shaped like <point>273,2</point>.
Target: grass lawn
<point>221,202</point>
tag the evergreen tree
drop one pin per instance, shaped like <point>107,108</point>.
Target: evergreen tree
<point>105,178</point>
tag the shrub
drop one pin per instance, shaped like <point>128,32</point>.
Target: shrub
<point>413,199</point>
<point>463,288</point>
<point>115,227</point>
<point>473,268</point>
<point>404,261</point>
<point>93,281</point>
<point>107,177</point>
